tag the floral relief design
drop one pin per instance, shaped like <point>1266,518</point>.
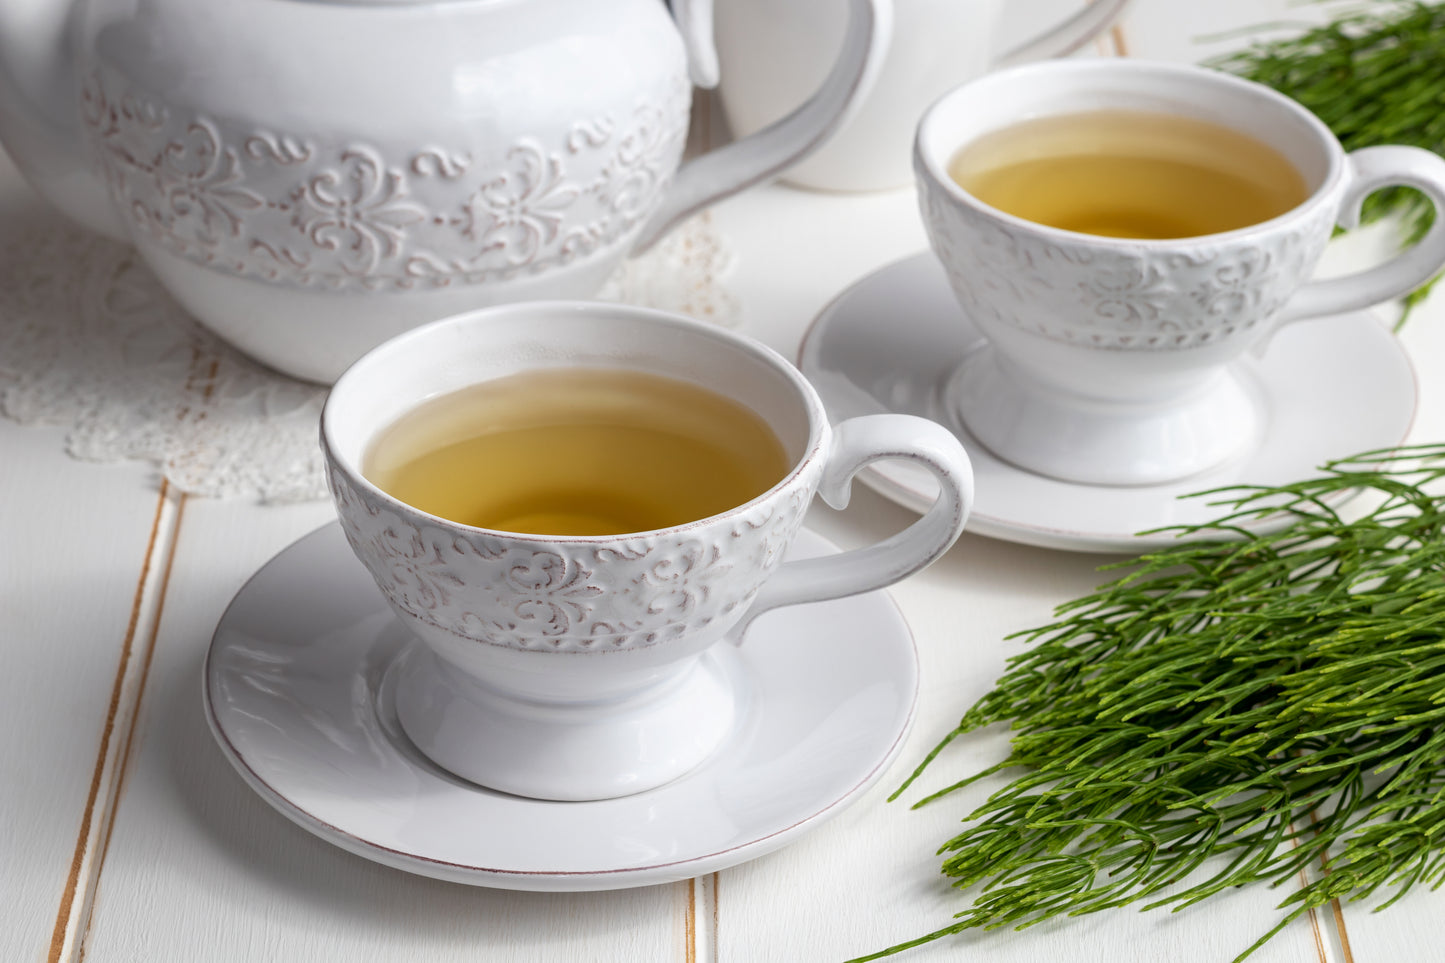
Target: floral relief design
<point>571,596</point>
<point>768,549</point>
<point>548,592</point>
<point>359,211</point>
<point>1132,293</point>
<point>199,179</point>
<point>1136,299</point>
<point>685,587</point>
<point>522,210</point>
<point>633,175</point>
<point>288,208</point>
<point>265,146</point>
<point>418,572</point>
<point>194,182</point>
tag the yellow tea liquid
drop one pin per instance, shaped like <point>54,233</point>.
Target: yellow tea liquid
<point>577,451</point>
<point>1132,174</point>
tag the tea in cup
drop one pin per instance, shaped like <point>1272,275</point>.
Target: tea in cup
<point>568,504</point>
<point>1121,232</point>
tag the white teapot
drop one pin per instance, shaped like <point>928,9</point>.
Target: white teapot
<point>310,177</point>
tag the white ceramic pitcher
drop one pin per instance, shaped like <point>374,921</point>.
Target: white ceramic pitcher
<point>774,54</point>
<point>311,177</point>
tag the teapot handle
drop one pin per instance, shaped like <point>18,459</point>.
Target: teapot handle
<point>734,167</point>
<point>1065,37</point>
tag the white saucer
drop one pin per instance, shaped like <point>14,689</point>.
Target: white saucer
<point>298,688</point>
<point>1330,388</point>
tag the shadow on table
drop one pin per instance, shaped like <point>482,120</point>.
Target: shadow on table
<point>295,880</point>
<point>985,565</point>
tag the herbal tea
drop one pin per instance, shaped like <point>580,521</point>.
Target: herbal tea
<point>1130,174</point>
<point>577,452</point>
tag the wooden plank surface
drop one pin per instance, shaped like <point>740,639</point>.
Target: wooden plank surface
<point>75,539</point>
<point>100,571</point>
<point>1412,931</point>
<point>869,879</point>
<point>200,868</point>
<point>73,542</point>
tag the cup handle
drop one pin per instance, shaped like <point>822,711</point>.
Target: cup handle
<point>856,443</point>
<point>1373,168</point>
<point>1068,36</point>
<point>739,165</point>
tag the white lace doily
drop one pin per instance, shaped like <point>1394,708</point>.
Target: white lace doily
<point>91,342</point>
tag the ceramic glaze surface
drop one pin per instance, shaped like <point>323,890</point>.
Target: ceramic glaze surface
<point>341,214</point>
<point>1107,358</point>
<point>279,163</point>
<point>774,55</point>
<point>1348,372</point>
<point>299,694</point>
<point>572,595</point>
<point>589,662</point>
<point>1130,298</point>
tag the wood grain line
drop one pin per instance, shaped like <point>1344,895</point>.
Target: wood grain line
<point>1315,922</point>
<point>716,887</point>
<point>689,926</point>
<point>1121,43</point>
<point>124,766</point>
<point>1319,937</point>
<point>72,880</point>
<point>1339,917</point>
<point>1335,908</point>
<point>1314,917</point>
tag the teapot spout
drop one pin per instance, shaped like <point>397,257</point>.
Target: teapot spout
<point>40,112</point>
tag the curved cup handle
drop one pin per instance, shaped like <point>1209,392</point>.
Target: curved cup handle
<point>1372,169</point>
<point>767,153</point>
<point>1068,36</point>
<point>856,443</point>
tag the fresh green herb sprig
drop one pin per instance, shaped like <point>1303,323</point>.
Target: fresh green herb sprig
<point>1374,77</point>
<point>1244,706</point>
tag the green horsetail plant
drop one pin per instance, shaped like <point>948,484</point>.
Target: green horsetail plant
<point>1376,76</point>
<point>1239,704</point>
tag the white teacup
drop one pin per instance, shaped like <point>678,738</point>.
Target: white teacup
<point>577,667</point>
<point>1108,360</point>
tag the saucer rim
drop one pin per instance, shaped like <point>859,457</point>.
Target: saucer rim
<point>1044,536</point>
<point>561,880</point>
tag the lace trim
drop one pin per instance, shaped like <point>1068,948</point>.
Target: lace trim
<point>89,341</point>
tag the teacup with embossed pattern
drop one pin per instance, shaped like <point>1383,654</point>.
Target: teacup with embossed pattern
<point>1118,361</point>
<point>565,667</point>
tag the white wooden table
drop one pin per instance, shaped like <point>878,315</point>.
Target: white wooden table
<point>126,838</point>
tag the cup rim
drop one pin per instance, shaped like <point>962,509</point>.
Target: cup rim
<point>934,167</point>
<point>818,425</point>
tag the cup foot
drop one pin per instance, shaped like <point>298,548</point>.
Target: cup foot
<point>1079,439</point>
<point>566,752</point>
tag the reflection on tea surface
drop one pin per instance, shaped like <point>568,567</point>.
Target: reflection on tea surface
<point>577,451</point>
<point>1130,174</point>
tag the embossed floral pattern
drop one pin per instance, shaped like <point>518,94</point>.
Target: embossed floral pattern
<point>292,208</point>
<point>572,596</point>
<point>522,210</point>
<point>1125,298</point>
<point>200,180</point>
<point>359,210</point>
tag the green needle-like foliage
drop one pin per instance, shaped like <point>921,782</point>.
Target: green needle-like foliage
<point>1242,704</point>
<point>1375,77</point>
